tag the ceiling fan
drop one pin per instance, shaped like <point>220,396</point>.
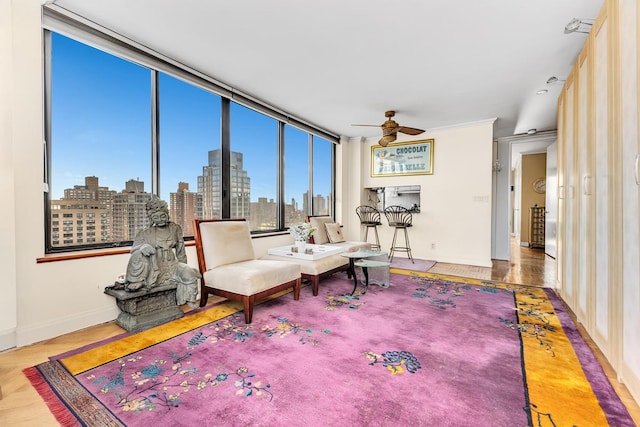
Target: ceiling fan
<point>390,129</point>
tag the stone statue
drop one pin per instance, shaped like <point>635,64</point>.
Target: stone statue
<point>158,257</point>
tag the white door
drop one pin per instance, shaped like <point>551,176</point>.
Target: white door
<point>630,362</point>
<point>602,316</point>
<point>551,203</point>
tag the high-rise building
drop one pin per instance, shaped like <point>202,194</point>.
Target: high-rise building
<point>293,215</point>
<point>319,205</point>
<point>210,187</point>
<point>262,214</point>
<point>83,215</point>
<point>129,211</point>
<point>91,191</point>
<point>183,208</point>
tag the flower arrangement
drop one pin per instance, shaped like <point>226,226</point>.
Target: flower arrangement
<point>302,232</point>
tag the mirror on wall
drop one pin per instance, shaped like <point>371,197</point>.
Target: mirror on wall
<point>407,196</point>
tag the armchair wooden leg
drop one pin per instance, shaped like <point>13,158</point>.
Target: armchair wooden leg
<point>247,302</point>
<point>296,289</point>
<point>315,285</point>
<point>204,296</point>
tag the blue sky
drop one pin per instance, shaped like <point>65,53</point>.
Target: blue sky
<point>101,107</point>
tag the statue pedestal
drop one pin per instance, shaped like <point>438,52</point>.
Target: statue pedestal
<point>145,308</point>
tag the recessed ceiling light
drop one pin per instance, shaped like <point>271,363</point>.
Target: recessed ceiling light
<point>575,26</point>
<point>553,79</point>
<point>542,91</point>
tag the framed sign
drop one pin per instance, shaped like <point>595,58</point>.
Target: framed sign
<point>404,158</point>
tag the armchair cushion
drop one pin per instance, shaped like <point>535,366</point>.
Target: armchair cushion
<point>354,246</point>
<point>227,242</point>
<point>314,267</point>
<point>334,232</point>
<point>251,277</point>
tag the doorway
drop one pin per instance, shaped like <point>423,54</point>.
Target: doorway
<point>507,188</point>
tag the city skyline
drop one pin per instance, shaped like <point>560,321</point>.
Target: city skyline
<point>102,127</point>
<point>95,214</point>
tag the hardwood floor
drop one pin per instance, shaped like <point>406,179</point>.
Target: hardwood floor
<point>20,404</point>
<point>526,267</point>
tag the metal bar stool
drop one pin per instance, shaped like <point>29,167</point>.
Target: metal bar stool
<point>370,218</point>
<point>399,218</point>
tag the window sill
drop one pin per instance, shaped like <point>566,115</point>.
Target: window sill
<point>66,256</point>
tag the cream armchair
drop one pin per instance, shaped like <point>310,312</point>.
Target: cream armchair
<point>229,268</point>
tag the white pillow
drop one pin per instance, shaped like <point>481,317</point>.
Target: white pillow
<point>320,236</point>
<point>334,232</point>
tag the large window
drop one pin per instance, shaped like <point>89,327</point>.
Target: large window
<point>121,132</point>
<point>100,148</point>
<point>322,174</point>
<point>189,141</point>
<point>254,167</point>
<point>296,176</point>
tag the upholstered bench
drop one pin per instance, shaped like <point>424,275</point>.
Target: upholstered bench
<point>328,233</point>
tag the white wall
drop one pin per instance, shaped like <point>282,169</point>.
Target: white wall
<point>8,314</point>
<point>455,202</point>
<point>44,300</point>
<point>501,211</point>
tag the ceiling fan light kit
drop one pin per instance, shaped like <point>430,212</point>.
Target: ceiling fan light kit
<point>390,129</point>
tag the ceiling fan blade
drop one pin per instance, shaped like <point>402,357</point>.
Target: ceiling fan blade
<point>385,140</point>
<point>410,131</point>
<point>386,131</point>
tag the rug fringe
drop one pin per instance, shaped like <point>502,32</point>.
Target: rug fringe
<point>59,410</point>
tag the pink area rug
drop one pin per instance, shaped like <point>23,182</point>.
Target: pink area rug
<point>417,265</point>
<point>427,351</point>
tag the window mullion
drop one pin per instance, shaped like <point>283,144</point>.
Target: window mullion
<point>280,211</point>
<point>310,209</point>
<point>225,161</point>
<point>155,135</point>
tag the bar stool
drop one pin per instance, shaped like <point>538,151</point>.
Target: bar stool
<point>370,218</point>
<point>400,218</point>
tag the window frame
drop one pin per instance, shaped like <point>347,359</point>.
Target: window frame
<point>70,25</point>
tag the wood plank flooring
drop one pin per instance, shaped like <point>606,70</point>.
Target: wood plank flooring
<point>20,404</point>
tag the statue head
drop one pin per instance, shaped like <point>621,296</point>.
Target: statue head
<point>157,211</point>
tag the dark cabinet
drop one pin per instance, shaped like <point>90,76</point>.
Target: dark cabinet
<point>536,227</point>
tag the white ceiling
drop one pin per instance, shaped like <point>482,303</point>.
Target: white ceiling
<point>338,62</point>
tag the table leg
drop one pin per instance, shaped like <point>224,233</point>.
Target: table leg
<point>352,267</point>
<point>366,280</point>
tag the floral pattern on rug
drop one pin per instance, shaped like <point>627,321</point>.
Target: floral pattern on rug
<point>335,302</point>
<point>439,292</point>
<point>534,322</point>
<point>396,362</point>
<point>285,328</point>
<point>142,387</point>
<point>232,327</point>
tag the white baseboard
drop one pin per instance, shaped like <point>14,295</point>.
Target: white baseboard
<point>630,377</point>
<point>64,325</point>
<point>465,261</point>
<point>8,339</point>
